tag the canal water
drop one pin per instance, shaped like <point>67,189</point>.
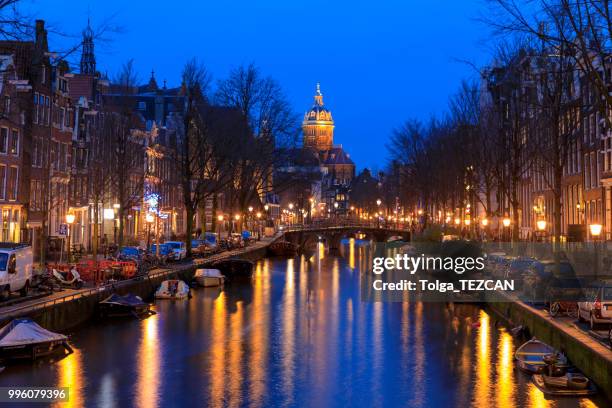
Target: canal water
<point>298,336</point>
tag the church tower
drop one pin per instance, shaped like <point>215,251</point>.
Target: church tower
<point>318,125</point>
<point>88,59</point>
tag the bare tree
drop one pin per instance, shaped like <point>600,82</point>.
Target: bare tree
<point>273,125</point>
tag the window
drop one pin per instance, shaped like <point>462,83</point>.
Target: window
<point>2,182</point>
<point>142,105</point>
<point>7,104</point>
<point>48,109</point>
<point>11,189</point>
<point>35,119</point>
<point>62,115</point>
<point>14,147</point>
<point>3,139</point>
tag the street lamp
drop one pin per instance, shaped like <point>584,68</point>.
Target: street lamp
<point>219,224</point>
<point>70,220</point>
<point>595,232</point>
<point>149,220</point>
<point>541,224</point>
<point>506,222</point>
<point>484,222</point>
<point>457,221</point>
<point>467,222</point>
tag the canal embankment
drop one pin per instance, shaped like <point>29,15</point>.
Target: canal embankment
<point>587,354</point>
<point>62,311</point>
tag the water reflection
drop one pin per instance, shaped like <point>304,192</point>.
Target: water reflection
<point>298,336</point>
<point>148,362</point>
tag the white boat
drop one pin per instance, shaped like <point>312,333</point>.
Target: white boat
<point>23,338</point>
<point>209,277</point>
<point>172,289</point>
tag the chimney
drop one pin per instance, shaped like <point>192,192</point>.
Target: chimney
<point>41,38</point>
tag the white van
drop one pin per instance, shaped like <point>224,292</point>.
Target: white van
<point>15,268</point>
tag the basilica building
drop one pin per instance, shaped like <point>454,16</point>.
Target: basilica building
<point>338,168</point>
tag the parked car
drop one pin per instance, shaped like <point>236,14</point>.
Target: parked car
<point>130,253</point>
<point>597,307</point>
<point>15,268</point>
<point>165,252</point>
<point>179,249</point>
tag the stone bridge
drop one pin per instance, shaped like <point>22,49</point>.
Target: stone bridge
<point>309,236</point>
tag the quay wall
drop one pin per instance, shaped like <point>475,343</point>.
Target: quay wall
<point>65,313</point>
<point>591,357</point>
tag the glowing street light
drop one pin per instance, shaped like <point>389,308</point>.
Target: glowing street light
<point>266,207</point>
<point>378,202</point>
<point>595,229</point>
<point>291,206</point>
<point>506,222</point>
<point>457,221</point>
<point>484,222</point>
<point>237,217</point>
<point>250,209</point>
<point>70,218</point>
<point>541,224</point>
<point>467,222</point>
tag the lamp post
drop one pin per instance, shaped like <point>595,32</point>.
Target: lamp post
<point>541,225</point>
<point>506,223</point>
<point>69,221</point>
<point>258,215</point>
<point>378,203</point>
<point>219,225</point>
<point>149,220</point>
<point>595,233</point>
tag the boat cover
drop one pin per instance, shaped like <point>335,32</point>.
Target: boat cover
<point>175,288</point>
<point>126,300</point>
<point>209,273</point>
<point>24,331</point>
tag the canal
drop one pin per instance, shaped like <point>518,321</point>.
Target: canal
<point>298,336</point>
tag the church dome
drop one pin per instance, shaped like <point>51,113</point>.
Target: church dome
<point>318,112</point>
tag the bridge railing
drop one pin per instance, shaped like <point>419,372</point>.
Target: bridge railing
<point>337,225</point>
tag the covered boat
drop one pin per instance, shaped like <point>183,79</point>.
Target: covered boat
<point>23,338</point>
<point>128,305</point>
<point>234,268</point>
<point>172,289</point>
<point>209,277</point>
<point>569,385</point>
<point>283,248</point>
<point>534,356</point>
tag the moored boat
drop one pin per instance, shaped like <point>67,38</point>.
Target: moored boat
<point>569,385</point>
<point>208,277</point>
<point>531,358</point>
<point>128,305</point>
<point>234,268</point>
<point>172,289</point>
<point>25,339</point>
<point>283,248</point>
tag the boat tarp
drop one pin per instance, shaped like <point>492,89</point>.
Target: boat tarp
<point>25,331</point>
<point>125,300</point>
<point>209,273</point>
<point>174,287</point>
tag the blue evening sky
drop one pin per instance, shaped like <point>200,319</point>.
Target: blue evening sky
<point>379,62</point>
